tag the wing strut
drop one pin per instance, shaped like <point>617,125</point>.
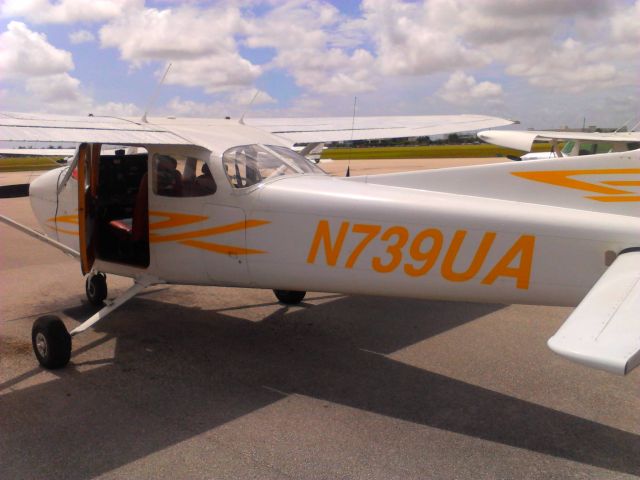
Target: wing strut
<point>40,236</point>
<point>52,342</point>
<point>139,285</point>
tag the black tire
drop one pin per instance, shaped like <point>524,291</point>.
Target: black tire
<point>51,342</point>
<point>290,297</point>
<point>96,289</point>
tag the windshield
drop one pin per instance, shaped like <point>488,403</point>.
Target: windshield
<point>247,165</point>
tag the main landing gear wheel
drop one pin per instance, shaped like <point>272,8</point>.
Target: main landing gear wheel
<point>96,288</point>
<point>290,297</point>
<point>51,342</point>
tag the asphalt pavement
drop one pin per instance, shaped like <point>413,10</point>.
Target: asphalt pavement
<point>216,383</point>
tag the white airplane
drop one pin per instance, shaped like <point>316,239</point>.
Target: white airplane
<point>576,143</point>
<point>214,202</point>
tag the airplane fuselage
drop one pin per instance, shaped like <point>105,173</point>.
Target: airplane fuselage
<point>321,233</point>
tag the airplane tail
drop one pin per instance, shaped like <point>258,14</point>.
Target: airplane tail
<point>607,183</point>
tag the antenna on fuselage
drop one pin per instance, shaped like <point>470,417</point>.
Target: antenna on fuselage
<point>154,96</point>
<point>249,106</point>
<point>353,123</point>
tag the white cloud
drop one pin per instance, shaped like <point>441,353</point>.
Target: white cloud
<point>570,67</point>
<point>411,39</point>
<point>115,109</point>
<point>316,45</point>
<point>547,42</point>
<point>188,108</point>
<point>24,53</point>
<point>463,89</point>
<point>81,36</point>
<point>214,73</point>
<point>624,25</point>
<point>182,33</point>
<point>67,11</point>
<point>199,43</point>
<point>38,72</point>
<point>394,54</point>
<point>61,87</point>
<point>245,97</point>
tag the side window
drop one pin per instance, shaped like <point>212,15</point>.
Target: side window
<point>587,148</point>
<point>603,148</point>
<point>178,176</point>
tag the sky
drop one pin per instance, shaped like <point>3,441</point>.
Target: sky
<point>546,63</point>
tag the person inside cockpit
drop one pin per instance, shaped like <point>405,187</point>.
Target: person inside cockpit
<point>169,179</point>
<point>205,183</point>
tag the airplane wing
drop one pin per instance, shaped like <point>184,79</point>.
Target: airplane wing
<point>604,330</point>
<point>333,129</point>
<point>523,140</point>
<point>58,128</point>
<point>26,127</point>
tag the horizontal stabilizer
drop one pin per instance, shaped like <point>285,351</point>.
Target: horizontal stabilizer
<point>604,330</point>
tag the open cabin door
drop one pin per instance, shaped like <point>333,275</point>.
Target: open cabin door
<point>88,159</point>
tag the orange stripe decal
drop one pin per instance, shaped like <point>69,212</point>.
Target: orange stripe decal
<point>624,198</point>
<point>623,183</point>
<point>155,238</point>
<point>188,238</point>
<point>226,249</point>
<point>65,219</point>
<point>174,219</point>
<point>71,219</point>
<point>562,178</point>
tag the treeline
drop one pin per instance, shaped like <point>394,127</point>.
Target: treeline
<point>451,139</point>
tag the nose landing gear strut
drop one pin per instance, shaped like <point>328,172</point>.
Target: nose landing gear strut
<point>50,339</point>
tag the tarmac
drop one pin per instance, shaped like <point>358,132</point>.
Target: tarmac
<point>224,383</point>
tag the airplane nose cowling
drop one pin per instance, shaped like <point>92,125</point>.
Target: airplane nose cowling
<point>44,197</point>
<point>44,187</point>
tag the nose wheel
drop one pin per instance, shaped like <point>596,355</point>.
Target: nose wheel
<point>50,339</point>
<point>289,297</point>
<point>51,342</point>
<point>96,288</point>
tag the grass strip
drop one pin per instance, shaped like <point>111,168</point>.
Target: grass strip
<point>430,151</point>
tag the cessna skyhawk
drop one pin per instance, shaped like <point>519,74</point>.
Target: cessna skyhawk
<point>217,202</point>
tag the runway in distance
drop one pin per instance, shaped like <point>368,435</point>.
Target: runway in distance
<point>217,202</point>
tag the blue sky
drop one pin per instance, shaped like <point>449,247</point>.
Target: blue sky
<point>546,63</point>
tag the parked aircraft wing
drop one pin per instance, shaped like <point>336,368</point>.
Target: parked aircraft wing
<point>26,127</point>
<point>94,129</point>
<point>604,331</point>
<point>522,140</point>
<point>332,129</point>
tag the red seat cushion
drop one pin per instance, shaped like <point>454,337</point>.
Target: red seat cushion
<point>121,228</point>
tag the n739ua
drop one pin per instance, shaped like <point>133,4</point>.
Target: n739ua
<point>216,202</point>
